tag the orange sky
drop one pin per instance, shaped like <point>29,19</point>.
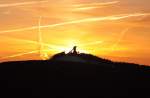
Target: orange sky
<point>118,30</point>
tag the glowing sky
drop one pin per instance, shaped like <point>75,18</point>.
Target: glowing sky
<point>118,30</point>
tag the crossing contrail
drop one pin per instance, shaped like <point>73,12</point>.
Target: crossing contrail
<point>84,8</point>
<point>21,3</point>
<point>19,54</point>
<point>118,17</point>
<point>37,51</point>
<point>50,46</point>
<point>43,55</point>
<point>40,38</point>
<point>96,4</point>
<point>59,47</point>
<point>119,39</point>
<point>90,6</point>
<point>25,53</point>
<point>93,19</point>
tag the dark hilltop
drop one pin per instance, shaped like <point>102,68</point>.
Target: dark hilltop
<point>74,75</point>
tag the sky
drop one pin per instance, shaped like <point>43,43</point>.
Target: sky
<point>37,29</point>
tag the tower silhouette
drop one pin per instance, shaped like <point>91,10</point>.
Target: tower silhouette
<point>74,50</point>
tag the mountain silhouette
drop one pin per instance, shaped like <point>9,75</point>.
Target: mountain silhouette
<point>74,75</point>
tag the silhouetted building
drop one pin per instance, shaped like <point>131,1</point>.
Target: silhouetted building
<point>74,50</point>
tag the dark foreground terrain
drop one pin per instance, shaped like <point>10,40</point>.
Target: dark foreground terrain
<point>48,79</point>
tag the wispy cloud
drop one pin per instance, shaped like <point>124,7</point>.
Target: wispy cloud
<point>85,8</point>
<point>90,6</point>
<point>96,4</point>
<point>93,19</point>
<point>122,34</point>
<point>21,3</point>
<point>19,54</point>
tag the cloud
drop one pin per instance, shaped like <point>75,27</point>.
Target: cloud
<point>19,54</point>
<point>96,4</point>
<point>85,20</point>
<point>122,34</point>
<point>21,4</point>
<point>84,8</point>
<point>90,6</point>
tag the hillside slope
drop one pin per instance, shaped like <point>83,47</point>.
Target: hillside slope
<point>51,78</point>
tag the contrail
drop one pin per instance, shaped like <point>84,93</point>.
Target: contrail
<point>43,55</point>
<point>107,18</point>
<point>18,30</point>
<point>21,54</point>
<point>21,3</point>
<point>36,51</point>
<point>37,43</point>
<point>83,7</point>
<point>119,39</point>
<point>96,4</point>
<point>59,48</point>
<point>52,47</point>
<point>17,55</point>
<point>40,38</point>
